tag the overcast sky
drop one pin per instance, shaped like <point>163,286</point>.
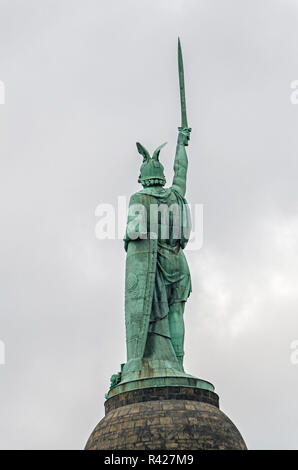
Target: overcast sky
<point>84,81</point>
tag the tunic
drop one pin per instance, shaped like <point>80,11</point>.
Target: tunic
<point>172,280</point>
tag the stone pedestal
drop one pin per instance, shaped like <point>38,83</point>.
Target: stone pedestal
<point>161,418</point>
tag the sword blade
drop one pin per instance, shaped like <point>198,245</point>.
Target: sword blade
<point>181,86</point>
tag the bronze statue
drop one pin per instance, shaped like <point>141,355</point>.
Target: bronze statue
<point>158,280</point>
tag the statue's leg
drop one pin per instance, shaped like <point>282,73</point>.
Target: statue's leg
<point>176,323</point>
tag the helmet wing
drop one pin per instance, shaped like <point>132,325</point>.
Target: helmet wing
<point>143,152</point>
<point>157,151</point>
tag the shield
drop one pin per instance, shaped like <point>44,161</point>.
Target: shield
<point>139,287</point>
<point>140,273</point>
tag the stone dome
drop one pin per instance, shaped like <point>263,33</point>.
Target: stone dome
<point>165,418</point>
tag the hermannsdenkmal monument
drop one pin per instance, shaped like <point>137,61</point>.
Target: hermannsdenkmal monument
<point>152,402</point>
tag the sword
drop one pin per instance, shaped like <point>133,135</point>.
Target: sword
<point>184,124</point>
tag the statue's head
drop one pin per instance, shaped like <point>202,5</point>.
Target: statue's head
<point>151,173</point>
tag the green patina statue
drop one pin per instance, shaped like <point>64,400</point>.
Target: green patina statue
<point>157,283</point>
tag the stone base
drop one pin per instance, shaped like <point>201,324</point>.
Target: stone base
<point>151,373</point>
<point>161,418</point>
<point>177,381</point>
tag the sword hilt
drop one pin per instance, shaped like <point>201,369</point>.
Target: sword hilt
<point>184,135</point>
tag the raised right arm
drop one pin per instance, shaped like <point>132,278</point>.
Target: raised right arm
<point>181,162</point>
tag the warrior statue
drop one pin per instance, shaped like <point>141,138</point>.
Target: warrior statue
<point>158,280</point>
<point>150,401</point>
